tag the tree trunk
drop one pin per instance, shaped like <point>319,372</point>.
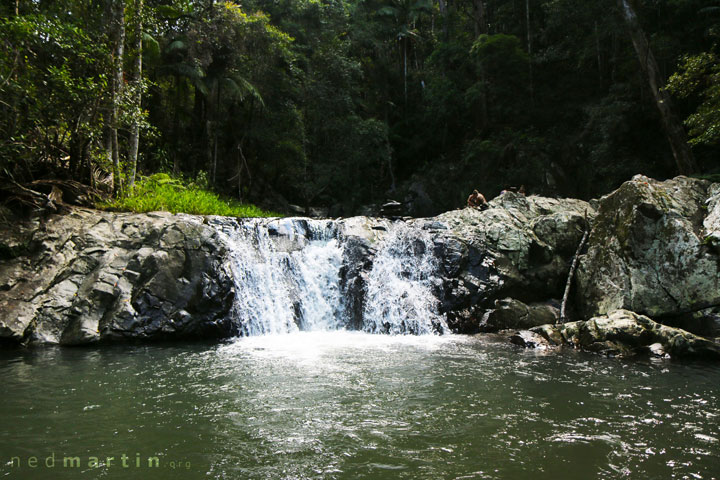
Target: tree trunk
<point>136,82</point>
<point>598,52</point>
<point>405,67</point>
<point>445,20</point>
<point>118,38</point>
<point>176,127</point>
<point>479,22</point>
<point>530,50</point>
<point>673,128</point>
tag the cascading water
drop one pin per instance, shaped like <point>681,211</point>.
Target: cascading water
<point>287,278</point>
<point>400,296</point>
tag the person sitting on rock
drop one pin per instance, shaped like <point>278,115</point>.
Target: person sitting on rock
<point>477,200</point>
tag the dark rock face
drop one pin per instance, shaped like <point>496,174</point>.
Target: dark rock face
<point>520,247</point>
<point>94,276</point>
<point>514,314</point>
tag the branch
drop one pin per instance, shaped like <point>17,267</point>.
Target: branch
<point>573,267</point>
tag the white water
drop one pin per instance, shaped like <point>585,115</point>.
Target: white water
<point>400,297</point>
<point>287,279</point>
<point>284,284</point>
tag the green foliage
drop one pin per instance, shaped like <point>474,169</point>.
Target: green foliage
<point>53,85</point>
<point>343,103</point>
<point>161,192</point>
<point>699,75</point>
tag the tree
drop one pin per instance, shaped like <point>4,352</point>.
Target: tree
<point>117,83</point>
<point>699,75</point>
<point>136,85</point>
<point>684,158</point>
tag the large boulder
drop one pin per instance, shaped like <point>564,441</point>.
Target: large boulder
<point>653,250</point>
<point>91,276</point>
<point>520,247</point>
<point>625,333</point>
<point>510,313</point>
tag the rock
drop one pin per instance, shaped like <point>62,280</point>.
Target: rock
<point>520,247</point>
<point>625,333</point>
<point>392,208</point>
<point>98,276</point>
<point>528,339</point>
<point>657,350</point>
<point>649,250</point>
<point>419,203</point>
<point>514,314</point>
<point>711,224</point>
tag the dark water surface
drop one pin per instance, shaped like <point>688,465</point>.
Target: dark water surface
<point>352,405</point>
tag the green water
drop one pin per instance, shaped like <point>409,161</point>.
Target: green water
<point>351,406</point>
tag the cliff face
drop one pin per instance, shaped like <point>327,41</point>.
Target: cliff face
<point>90,275</point>
<point>94,276</point>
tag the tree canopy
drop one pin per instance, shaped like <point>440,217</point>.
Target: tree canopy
<point>344,103</point>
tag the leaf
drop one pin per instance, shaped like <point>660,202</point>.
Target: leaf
<point>175,46</point>
<point>709,10</point>
<point>151,47</point>
<point>388,11</point>
<point>168,11</point>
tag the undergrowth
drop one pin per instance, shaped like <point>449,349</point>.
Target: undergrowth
<point>161,192</point>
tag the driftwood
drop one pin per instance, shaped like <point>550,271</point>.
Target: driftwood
<point>48,195</point>
<point>573,267</point>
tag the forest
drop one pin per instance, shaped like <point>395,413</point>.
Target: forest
<point>342,104</point>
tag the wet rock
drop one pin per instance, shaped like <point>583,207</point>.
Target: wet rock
<point>392,208</point>
<point>528,339</point>
<point>520,247</point>
<point>514,314</point>
<point>711,224</point>
<point>625,333</point>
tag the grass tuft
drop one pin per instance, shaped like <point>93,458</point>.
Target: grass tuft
<point>161,192</point>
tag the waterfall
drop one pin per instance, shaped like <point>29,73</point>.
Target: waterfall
<point>400,286</point>
<point>287,278</point>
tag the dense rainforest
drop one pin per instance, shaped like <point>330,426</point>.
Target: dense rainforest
<point>346,103</point>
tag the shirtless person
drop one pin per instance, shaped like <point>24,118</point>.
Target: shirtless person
<point>477,200</point>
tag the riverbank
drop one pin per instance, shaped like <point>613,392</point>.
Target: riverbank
<point>92,276</point>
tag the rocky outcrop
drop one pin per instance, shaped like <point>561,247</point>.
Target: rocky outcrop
<point>91,276</point>
<point>621,333</point>
<point>520,248</point>
<point>653,250</point>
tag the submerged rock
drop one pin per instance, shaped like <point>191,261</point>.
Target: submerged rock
<point>625,333</point>
<point>528,339</point>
